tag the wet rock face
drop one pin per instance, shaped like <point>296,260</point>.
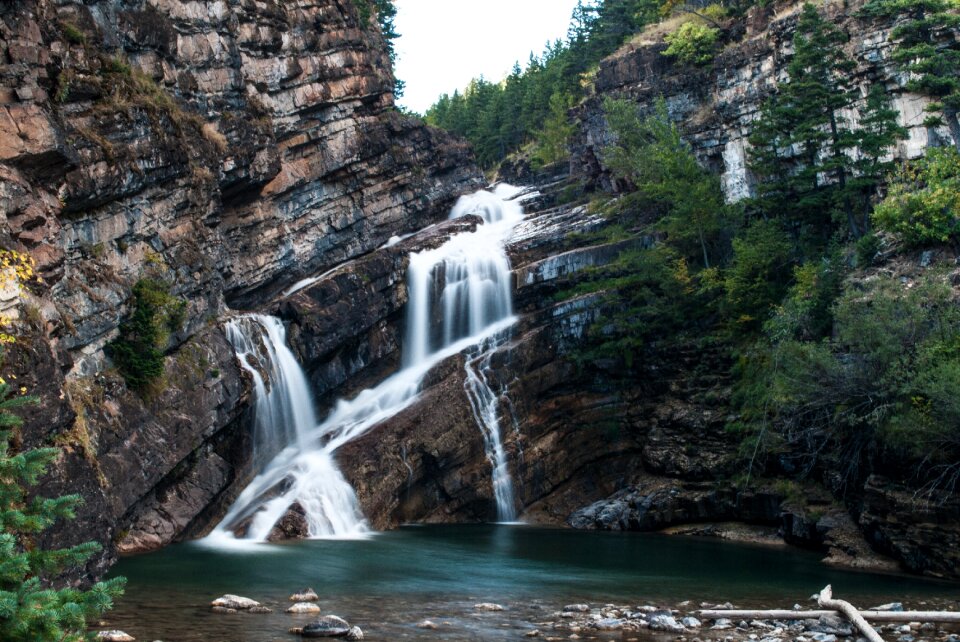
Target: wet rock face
<point>235,147</point>
<point>716,105</point>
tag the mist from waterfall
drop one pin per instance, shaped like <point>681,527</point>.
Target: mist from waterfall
<point>459,296</point>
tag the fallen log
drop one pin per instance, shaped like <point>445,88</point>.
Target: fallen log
<point>874,616</point>
<point>826,600</point>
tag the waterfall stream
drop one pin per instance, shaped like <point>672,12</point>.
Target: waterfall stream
<point>459,297</point>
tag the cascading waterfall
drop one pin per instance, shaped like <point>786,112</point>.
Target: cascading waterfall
<point>485,404</point>
<point>283,411</point>
<point>459,297</point>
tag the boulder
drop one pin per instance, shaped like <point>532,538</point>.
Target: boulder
<point>235,602</point>
<point>328,626</point>
<point>304,607</point>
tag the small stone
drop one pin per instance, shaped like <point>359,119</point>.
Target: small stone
<point>579,608</point>
<point>568,614</point>
<point>308,595</point>
<point>259,609</point>
<point>903,628</point>
<point>115,636</point>
<point>726,606</point>
<point>889,606</point>
<point>926,258</point>
<point>691,622</point>
<point>427,624</point>
<point>535,633</point>
<point>229,601</point>
<point>304,607</point>
<point>355,633</point>
<point>685,603</point>
<point>488,606</point>
<point>823,637</point>
<point>609,624</point>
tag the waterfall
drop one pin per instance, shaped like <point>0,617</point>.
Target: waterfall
<point>485,404</point>
<point>283,410</point>
<point>459,297</point>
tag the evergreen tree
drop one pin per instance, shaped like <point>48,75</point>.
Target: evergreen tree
<point>927,48</point>
<point>651,154</point>
<point>878,132</point>
<point>801,141</point>
<point>31,610</point>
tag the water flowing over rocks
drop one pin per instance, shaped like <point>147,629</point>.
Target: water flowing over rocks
<point>240,147</point>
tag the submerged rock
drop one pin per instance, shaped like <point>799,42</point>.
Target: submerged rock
<point>259,609</point>
<point>308,595</point>
<point>355,633</point>
<point>235,602</point>
<point>427,624</point>
<point>328,626</point>
<point>488,606</point>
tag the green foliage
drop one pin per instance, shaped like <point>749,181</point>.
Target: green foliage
<point>72,33</point>
<point>867,248</point>
<point>802,136</point>
<point>760,273</point>
<point>500,118</point>
<point>138,351</point>
<point>692,43</point>
<point>884,382</point>
<point>923,203</point>
<point>927,48</point>
<point>557,128</point>
<point>31,609</point>
<point>652,155</point>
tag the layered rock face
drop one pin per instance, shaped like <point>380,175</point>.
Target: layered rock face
<point>228,148</point>
<point>717,104</point>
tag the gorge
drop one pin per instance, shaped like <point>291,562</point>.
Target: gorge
<point>264,304</point>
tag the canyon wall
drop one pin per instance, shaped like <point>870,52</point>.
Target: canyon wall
<point>226,148</point>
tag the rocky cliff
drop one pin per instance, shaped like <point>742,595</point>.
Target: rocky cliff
<point>716,104</point>
<point>228,148</point>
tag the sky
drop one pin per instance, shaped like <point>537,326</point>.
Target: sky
<point>445,43</point>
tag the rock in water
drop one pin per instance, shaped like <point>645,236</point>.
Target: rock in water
<point>115,636</point>
<point>427,624</point>
<point>308,595</point>
<point>259,609</point>
<point>293,525</point>
<point>235,602</point>
<point>304,607</point>
<point>355,633</point>
<point>328,626</point>
<point>576,608</point>
<point>488,606</point>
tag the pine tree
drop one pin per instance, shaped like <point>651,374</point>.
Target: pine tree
<point>878,132</point>
<point>927,48</point>
<point>31,610</point>
<point>805,117</point>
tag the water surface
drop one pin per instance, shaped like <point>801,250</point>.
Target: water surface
<point>392,581</point>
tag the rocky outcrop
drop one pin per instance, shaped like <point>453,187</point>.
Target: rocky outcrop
<point>233,148</point>
<point>716,105</point>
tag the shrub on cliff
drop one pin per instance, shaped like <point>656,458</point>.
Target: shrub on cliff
<point>31,609</point>
<point>692,43</point>
<point>923,202</point>
<point>138,351</point>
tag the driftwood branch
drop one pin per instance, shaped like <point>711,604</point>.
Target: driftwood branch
<point>826,600</point>
<point>873,616</point>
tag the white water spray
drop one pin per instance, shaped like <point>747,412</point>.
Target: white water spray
<point>459,296</point>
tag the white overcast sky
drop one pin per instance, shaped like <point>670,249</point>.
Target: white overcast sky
<point>445,43</point>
